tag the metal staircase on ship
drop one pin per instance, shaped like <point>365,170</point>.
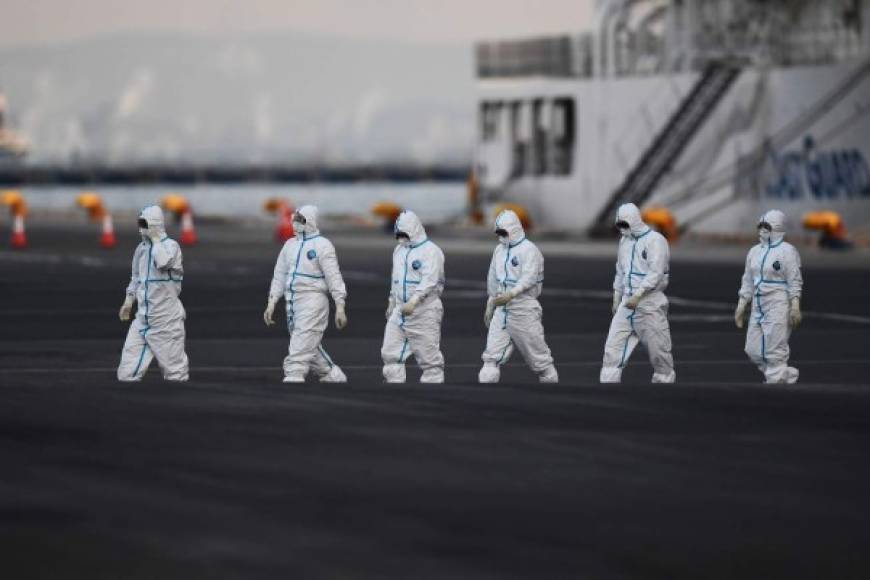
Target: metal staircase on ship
<point>664,150</point>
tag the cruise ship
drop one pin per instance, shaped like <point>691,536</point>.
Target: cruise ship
<point>713,109</point>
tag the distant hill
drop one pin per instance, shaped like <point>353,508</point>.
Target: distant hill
<point>291,98</point>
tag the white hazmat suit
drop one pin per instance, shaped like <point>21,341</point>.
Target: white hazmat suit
<point>513,313</point>
<point>415,311</point>
<point>155,283</point>
<point>772,283</point>
<point>306,273</point>
<point>640,307</point>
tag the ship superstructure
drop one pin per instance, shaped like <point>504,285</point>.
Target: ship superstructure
<point>714,109</point>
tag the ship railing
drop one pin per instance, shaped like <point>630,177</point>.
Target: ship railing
<point>806,46</point>
<point>574,56</point>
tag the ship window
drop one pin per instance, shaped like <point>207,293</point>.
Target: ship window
<point>562,135</point>
<point>489,120</point>
<point>520,137</point>
<point>540,128</point>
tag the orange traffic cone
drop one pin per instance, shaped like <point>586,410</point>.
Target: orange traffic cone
<point>284,229</point>
<point>188,233</point>
<point>107,238</point>
<point>18,238</point>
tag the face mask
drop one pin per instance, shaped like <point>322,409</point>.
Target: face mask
<point>623,227</point>
<point>299,219</point>
<point>143,228</point>
<point>503,237</point>
<point>764,235</point>
<point>403,239</point>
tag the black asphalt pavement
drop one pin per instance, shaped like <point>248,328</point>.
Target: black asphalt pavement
<point>236,475</point>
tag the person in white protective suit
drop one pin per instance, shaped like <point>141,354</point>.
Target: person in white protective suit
<point>772,283</point>
<point>306,273</point>
<point>640,307</point>
<point>513,313</point>
<point>155,283</point>
<point>415,311</point>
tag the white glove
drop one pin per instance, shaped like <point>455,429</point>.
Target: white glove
<point>740,313</point>
<point>489,312</point>
<point>340,316</point>
<point>505,297</point>
<point>270,310</point>
<point>794,312</point>
<point>617,298</point>
<point>126,309</point>
<point>390,307</point>
<point>409,306</point>
<point>633,301</point>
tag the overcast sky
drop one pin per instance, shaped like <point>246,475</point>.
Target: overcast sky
<point>50,21</point>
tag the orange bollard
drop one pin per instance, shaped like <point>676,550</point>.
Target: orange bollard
<point>475,215</point>
<point>107,238</point>
<point>179,206</point>
<point>15,201</point>
<point>188,233</point>
<point>662,221</point>
<point>18,209</point>
<point>521,212</point>
<point>284,228</point>
<point>389,212</point>
<point>93,204</point>
<point>832,227</point>
<point>18,240</point>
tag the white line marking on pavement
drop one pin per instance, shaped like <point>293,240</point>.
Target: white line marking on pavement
<point>607,296</point>
<point>277,368</point>
<point>471,289</point>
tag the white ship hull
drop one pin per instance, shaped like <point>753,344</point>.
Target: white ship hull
<point>824,167</point>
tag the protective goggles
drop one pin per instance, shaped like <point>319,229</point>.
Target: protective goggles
<point>402,235</point>
<point>765,226</point>
<point>622,224</point>
<point>501,233</point>
<point>143,223</point>
<point>299,218</point>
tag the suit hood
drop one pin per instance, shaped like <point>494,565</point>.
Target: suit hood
<point>154,216</point>
<point>628,212</point>
<point>776,219</point>
<point>310,213</point>
<point>409,223</point>
<point>509,221</point>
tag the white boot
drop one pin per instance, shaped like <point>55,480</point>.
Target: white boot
<point>335,375</point>
<point>435,375</point>
<point>489,373</point>
<point>549,375</point>
<point>671,377</point>
<point>394,373</point>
